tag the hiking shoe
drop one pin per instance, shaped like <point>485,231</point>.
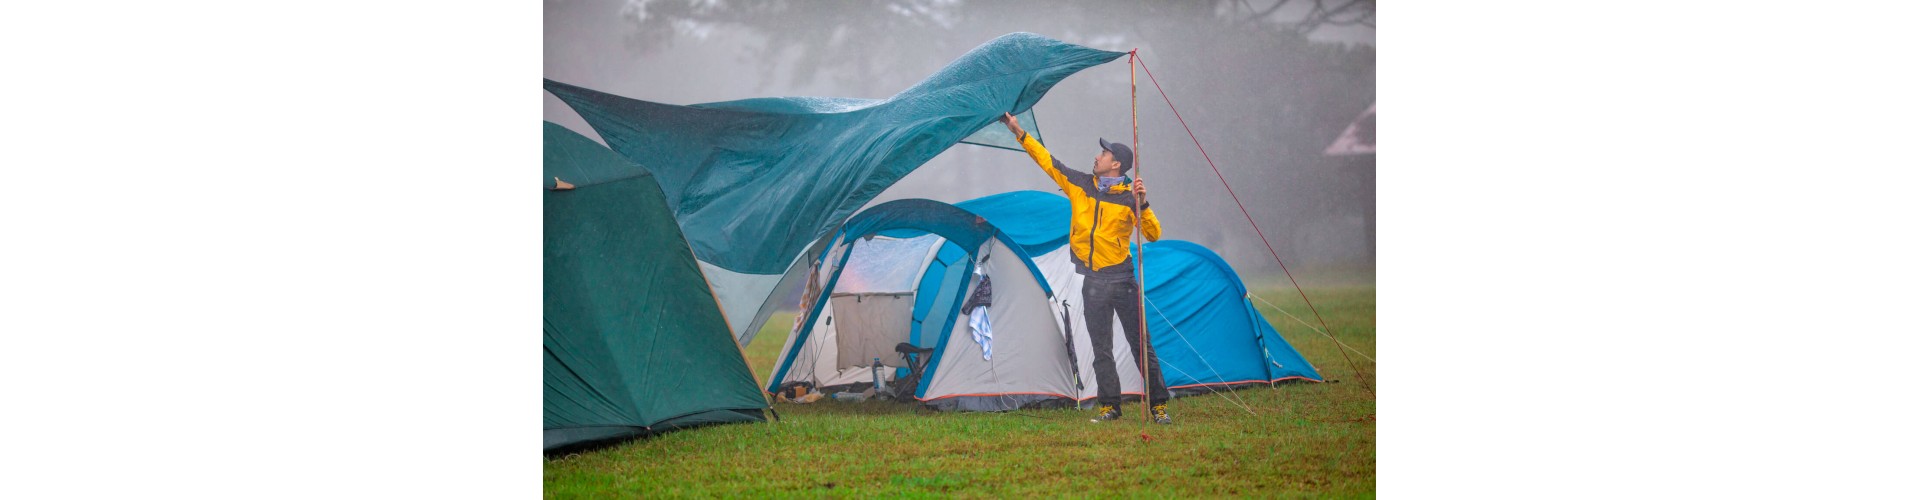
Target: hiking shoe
<point>1160,415</point>
<point>1107,413</point>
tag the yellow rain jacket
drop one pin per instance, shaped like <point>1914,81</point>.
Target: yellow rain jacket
<point>1102,221</point>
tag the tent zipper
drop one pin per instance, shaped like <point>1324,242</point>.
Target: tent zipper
<point>1095,229</point>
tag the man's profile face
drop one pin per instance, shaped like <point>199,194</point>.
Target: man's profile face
<point>1104,165</point>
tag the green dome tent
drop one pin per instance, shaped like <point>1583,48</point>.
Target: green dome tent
<point>635,343</point>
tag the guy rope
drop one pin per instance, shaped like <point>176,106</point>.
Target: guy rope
<point>1133,58</point>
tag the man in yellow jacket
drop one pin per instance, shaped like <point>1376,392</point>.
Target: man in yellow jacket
<point>1103,219</point>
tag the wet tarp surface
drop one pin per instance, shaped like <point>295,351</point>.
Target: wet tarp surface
<point>754,182</point>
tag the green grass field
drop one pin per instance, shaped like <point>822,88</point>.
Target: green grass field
<point>1302,440</point>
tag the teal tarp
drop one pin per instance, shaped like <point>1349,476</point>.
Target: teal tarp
<point>753,182</point>
<point>634,341</point>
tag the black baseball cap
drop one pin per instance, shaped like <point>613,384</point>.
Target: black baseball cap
<point>1120,152</point>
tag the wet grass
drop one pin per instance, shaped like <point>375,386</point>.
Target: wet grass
<point>1301,440</point>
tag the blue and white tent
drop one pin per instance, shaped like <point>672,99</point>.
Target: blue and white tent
<point>899,271</point>
<point>1203,325</point>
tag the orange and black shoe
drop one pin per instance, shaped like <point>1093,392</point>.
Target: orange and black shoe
<point>1107,412</point>
<point>1160,415</point>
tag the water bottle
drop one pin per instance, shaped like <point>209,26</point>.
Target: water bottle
<point>879,385</point>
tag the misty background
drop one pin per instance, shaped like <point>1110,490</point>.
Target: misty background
<point>1266,86</point>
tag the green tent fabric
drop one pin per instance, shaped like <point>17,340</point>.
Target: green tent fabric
<point>634,340</point>
<point>754,182</point>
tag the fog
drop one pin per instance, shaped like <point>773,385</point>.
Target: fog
<point>1265,86</point>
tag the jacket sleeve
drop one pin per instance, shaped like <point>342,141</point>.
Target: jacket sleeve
<point>1047,163</point>
<point>1149,225</point>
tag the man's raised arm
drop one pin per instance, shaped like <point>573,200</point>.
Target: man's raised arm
<point>1038,152</point>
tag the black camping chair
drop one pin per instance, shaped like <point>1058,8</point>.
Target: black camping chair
<point>917,359</point>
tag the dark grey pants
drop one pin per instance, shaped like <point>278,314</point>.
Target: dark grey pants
<point>1101,300</point>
